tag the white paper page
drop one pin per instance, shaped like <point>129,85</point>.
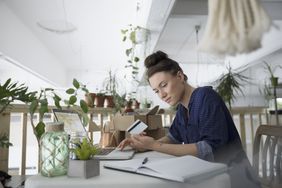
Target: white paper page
<point>186,167</point>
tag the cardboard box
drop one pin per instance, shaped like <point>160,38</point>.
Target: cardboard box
<point>122,122</point>
<point>155,128</point>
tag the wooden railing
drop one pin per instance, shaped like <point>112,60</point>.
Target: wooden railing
<point>99,115</point>
<point>249,113</point>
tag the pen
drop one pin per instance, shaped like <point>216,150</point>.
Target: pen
<point>145,160</point>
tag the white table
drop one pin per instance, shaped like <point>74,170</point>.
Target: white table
<point>118,179</point>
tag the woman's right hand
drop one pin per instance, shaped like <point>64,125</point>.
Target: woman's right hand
<point>124,143</point>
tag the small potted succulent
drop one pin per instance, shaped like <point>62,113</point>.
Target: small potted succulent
<point>85,166</point>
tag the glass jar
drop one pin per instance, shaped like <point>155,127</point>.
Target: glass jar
<point>54,150</point>
<point>75,140</point>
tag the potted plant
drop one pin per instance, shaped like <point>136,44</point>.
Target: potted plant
<point>4,141</point>
<point>271,70</point>
<point>90,99</point>
<point>86,166</point>
<point>146,103</point>
<point>38,102</point>
<point>120,102</point>
<point>99,99</point>
<point>229,84</point>
<point>266,92</point>
<point>134,35</point>
<point>135,104</point>
<point>111,85</point>
<point>9,93</point>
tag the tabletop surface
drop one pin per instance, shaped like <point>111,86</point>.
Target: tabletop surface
<point>110,178</point>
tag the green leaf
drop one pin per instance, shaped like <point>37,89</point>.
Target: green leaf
<point>127,66</point>
<point>72,99</point>
<point>70,91</point>
<point>39,129</point>
<point>57,97</point>
<point>124,31</point>
<point>75,83</point>
<point>49,89</point>
<point>85,119</point>
<point>128,51</point>
<point>124,38</point>
<point>33,106</point>
<point>43,107</point>
<point>135,68</point>
<point>85,90</point>
<point>57,104</point>
<point>83,106</point>
<point>132,37</point>
<point>7,83</point>
<point>136,59</point>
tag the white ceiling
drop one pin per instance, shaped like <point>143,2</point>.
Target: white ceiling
<point>98,24</point>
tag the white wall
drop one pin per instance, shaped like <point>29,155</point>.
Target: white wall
<point>19,43</point>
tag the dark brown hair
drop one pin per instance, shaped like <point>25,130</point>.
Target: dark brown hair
<point>159,62</point>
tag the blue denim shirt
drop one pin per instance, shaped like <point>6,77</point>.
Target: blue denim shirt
<point>207,123</point>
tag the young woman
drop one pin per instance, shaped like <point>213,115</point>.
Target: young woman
<point>203,126</point>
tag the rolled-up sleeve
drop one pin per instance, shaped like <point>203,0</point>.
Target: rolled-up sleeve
<point>204,151</point>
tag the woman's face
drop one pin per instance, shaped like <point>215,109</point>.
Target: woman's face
<point>169,88</point>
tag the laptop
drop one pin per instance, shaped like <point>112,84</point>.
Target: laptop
<point>72,123</point>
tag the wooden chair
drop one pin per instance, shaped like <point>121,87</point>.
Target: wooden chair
<point>267,155</point>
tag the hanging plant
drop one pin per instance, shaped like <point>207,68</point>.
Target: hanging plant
<point>135,35</point>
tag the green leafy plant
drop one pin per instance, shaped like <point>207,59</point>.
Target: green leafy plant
<point>13,91</point>
<point>271,69</point>
<point>40,104</point>
<point>85,150</point>
<point>9,93</point>
<point>73,92</point>
<point>4,141</point>
<point>111,83</point>
<point>120,101</point>
<point>229,84</point>
<point>266,92</point>
<point>130,34</point>
<point>38,101</point>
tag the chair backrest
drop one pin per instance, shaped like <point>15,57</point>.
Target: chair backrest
<point>267,153</point>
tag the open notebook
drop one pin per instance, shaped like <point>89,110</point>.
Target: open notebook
<point>181,169</point>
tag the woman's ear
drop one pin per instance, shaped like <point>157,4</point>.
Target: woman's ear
<point>180,76</point>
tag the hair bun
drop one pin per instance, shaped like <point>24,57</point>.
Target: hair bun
<point>155,58</point>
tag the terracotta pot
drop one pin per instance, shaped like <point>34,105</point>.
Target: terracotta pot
<point>135,104</point>
<point>128,107</point>
<point>89,99</point>
<point>109,101</point>
<point>99,100</point>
